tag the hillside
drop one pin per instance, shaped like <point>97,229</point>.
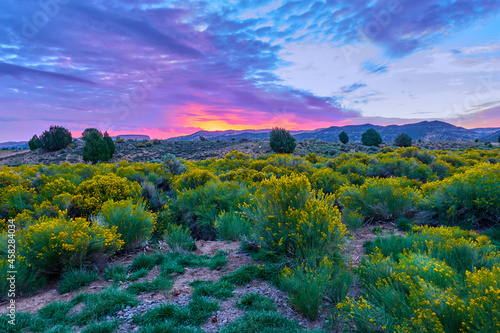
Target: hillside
<point>425,131</point>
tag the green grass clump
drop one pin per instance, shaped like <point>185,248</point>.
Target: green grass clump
<point>76,278</point>
<point>104,327</point>
<point>147,261</point>
<point>219,290</point>
<point>218,261</point>
<point>159,283</point>
<point>256,302</point>
<point>168,328</point>
<point>106,303</point>
<point>56,312</point>
<point>242,275</point>
<point>115,273</point>
<point>261,321</point>
<point>138,274</point>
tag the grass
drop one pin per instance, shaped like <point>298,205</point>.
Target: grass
<point>168,328</point>
<point>179,238</point>
<point>261,321</point>
<point>256,302</point>
<point>75,279</point>
<point>220,290</point>
<point>146,261</point>
<point>138,274</point>
<point>218,261</point>
<point>159,283</point>
<point>115,273</point>
<point>103,327</point>
<point>242,275</point>
<point>106,303</point>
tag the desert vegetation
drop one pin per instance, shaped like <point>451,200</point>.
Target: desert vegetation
<point>296,217</point>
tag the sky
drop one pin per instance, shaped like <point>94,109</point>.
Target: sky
<point>168,68</point>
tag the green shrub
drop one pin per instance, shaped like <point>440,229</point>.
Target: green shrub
<point>306,285</point>
<point>343,137</point>
<point>371,138</point>
<point>402,140</point>
<point>97,148</point>
<point>353,220</point>
<point>281,141</point>
<point>179,238</point>
<point>200,207</point>
<point>404,224</point>
<point>231,226</point>
<point>293,220</point>
<point>74,279</point>
<point>35,143</point>
<point>471,198</point>
<point>133,222</point>
<point>138,273</point>
<point>56,138</point>
<point>173,165</point>
<point>327,180</point>
<point>380,198</point>
<point>28,277</point>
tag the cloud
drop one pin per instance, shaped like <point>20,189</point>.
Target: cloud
<point>373,68</point>
<point>352,87</point>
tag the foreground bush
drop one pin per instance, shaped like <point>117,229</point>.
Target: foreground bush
<point>179,238</point>
<point>55,244</point>
<point>381,198</point>
<point>471,198</point>
<point>371,138</point>
<point>421,283</point>
<point>132,221</point>
<point>293,220</point>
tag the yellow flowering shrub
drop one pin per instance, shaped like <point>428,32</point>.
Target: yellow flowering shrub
<point>470,198</point>
<point>382,198</point>
<point>132,221</point>
<point>91,194</point>
<point>292,219</point>
<point>193,179</point>
<point>53,244</point>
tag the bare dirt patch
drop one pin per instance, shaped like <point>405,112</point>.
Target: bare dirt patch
<point>212,247</point>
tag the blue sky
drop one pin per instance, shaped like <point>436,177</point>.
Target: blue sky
<point>166,68</point>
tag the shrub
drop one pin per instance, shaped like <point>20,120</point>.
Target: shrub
<point>192,179</point>
<point>327,180</point>
<point>53,244</point>
<point>95,149</point>
<point>353,220</point>
<point>28,278</point>
<point>380,198</point>
<point>471,198</point>
<point>173,165</point>
<point>35,143</point>
<point>306,284</point>
<point>92,193</point>
<point>179,238</point>
<point>231,226</point>
<point>132,221</point>
<point>343,137</point>
<point>76,278</point>
<point>293,220</point>
<point>55,138</point>
<point>200,207</point>
<point>371,138</point>
<point>402,140</point>
<point>281,141</point>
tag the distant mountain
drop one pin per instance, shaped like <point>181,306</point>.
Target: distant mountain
<point>493,137</point>
<point>14,145</point>
<point>425,131</point>
<point>137,137</point>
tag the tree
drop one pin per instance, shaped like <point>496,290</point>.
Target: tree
<point>96,148</point>
<point>499,139</point>
<point>110,144</point>
<point>55,138</point>
<point>88,131</point>
<point>403,140</point>
<point>371,138</point>
<point>343,137</point>
<point>35,143</point>
<point>281,141</point>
